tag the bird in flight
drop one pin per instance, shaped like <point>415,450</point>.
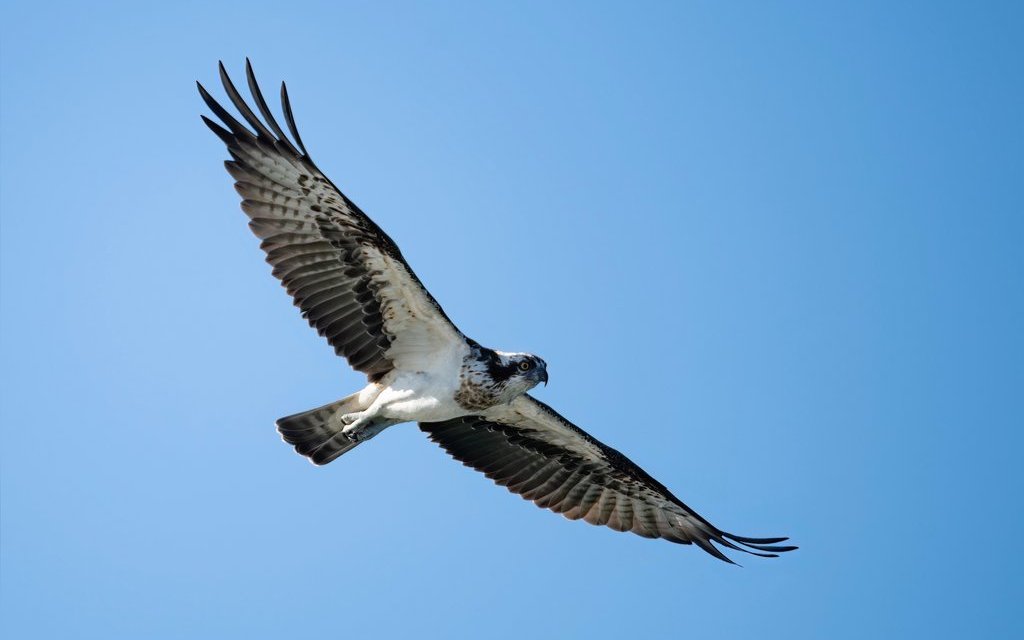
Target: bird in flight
<point>354,287</point>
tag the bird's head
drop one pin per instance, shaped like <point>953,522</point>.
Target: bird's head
<point>522,372</point>
<point>532,369</point>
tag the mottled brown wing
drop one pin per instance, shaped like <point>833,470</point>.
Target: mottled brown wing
<point>533,451</point>
<point>345,274</point>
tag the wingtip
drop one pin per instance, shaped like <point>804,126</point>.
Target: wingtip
<point>207,98</point>
<point>745,539</point>
<point>765,547</point>
<point>289,118</point>
<point>264,109</point>
<point>226,136</point>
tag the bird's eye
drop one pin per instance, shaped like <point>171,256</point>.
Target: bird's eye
<point>525,365</point>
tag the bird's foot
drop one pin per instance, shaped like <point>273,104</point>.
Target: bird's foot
<point>360,427</point>
<point>354,436</point>
<point>355,424</point>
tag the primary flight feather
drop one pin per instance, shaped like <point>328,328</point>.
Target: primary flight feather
<point>355,288</point>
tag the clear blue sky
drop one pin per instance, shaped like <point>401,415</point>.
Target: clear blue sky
<point>773,253</point>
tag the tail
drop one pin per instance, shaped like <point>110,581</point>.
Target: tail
<point>317,434</point>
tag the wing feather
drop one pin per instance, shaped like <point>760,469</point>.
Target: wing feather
<point>345,274</point>
<point>261,104</point>
<point>533,451</point>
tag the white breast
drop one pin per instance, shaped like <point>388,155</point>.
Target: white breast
<point>423,396</point>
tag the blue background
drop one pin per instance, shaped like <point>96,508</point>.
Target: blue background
<point>771,252</point>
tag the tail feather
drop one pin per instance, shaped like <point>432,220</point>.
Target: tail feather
<point>317,433</point>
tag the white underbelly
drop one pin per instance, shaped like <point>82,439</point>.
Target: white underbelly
<point>419,397</point>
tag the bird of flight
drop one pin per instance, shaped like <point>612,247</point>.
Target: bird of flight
<point>355,288</point>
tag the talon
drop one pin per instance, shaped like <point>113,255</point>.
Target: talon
<point>354,426</point>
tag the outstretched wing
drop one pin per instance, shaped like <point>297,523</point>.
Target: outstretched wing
<point>528,448</point>
<point>345,274</point>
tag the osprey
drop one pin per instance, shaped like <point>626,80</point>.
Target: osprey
<point>355,288</point>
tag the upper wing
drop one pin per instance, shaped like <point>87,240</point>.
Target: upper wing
<point>530,449</point>
<point>343,271</point>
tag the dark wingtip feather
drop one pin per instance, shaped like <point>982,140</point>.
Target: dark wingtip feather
<point>240,104</point>
<point>746,540</point>
<point>774,548</point>
<point>766,545</point>
<point>236,127</point>
<point>706,545</point>
<point>226,136</point>
<point>290,119</point>
<point>261,104</point>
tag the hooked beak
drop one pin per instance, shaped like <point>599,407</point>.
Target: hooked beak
<point>543,376</point>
